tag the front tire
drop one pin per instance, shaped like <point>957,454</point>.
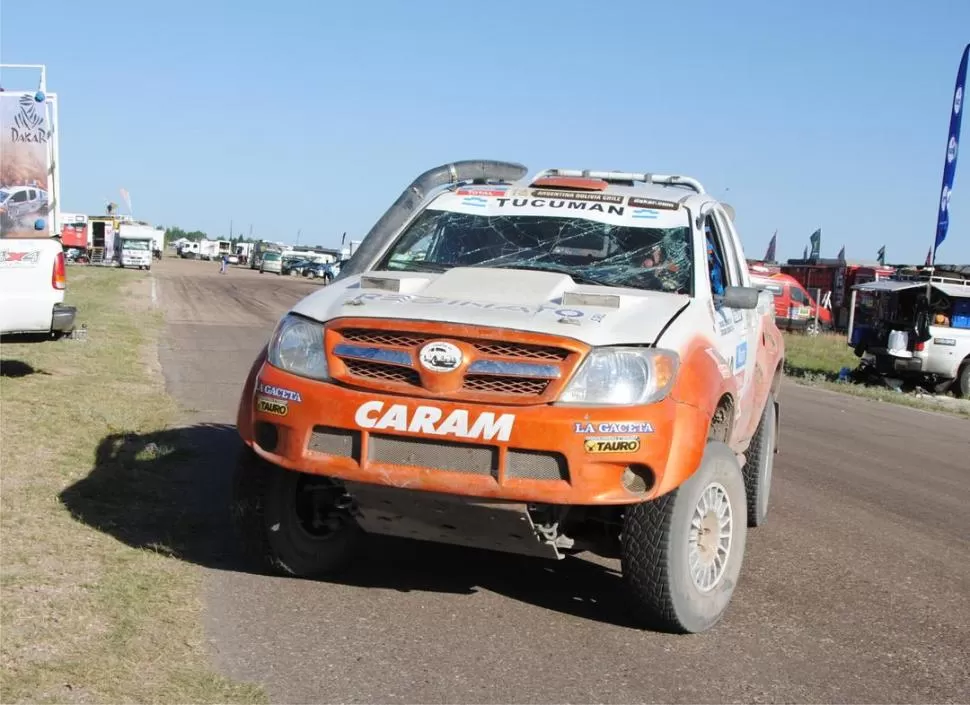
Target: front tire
<point>290,522</point>
<point>758,469</point>
<point>682,553</point>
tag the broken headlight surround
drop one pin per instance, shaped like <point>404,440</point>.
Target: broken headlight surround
<point>297,347</point>
<point>622,376</point>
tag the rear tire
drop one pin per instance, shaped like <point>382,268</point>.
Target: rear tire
<point>758,469</point>
<point>290,522</point>
<point>680,570</point>
<point>961,387</point>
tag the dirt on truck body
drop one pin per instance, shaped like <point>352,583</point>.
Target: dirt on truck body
<point>573,361</point>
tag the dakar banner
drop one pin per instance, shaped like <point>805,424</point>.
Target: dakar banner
<point>24,164</point>
<point>952,144</point>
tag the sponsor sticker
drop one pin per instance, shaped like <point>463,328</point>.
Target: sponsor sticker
<point>29,258</point>
<point>496,191</point>
<point>741,355</point>
<point>651,203</point>
<point>612,427</point>
<point>278,392</point>
<point>272,406</point>
<point>578,196</point>
<point>564,203</point>
<point>557,311</point>
<point>612,444</point>
<point>431,420</point>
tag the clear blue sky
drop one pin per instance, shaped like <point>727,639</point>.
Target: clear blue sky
<point>315,115</point>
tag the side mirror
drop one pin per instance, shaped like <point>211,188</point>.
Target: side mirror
<point>739,297</point>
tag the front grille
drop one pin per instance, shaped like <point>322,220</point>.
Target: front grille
<point>506,385</point>
<point>437,455</point>
<point>497,366</point>
<point>382,372</point>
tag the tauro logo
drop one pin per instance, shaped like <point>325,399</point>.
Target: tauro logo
<point>428,419</point>
<point>271,406</point>
<point>630,444</point>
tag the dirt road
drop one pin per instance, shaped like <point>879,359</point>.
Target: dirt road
<point>855,591</point>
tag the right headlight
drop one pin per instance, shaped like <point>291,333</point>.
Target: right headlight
<point>297,347</point>
<point>621,376</point>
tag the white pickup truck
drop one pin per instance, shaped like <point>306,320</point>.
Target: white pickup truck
<point>33,280</point>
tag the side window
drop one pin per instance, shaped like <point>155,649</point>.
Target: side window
<point>721,260</point>
<point>798,296</point>
<point>19,197</point>
<point>732,259</point>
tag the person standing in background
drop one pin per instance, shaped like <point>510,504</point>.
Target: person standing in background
<point>225,264</point>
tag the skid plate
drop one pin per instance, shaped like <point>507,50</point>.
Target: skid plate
<point>463,521</point>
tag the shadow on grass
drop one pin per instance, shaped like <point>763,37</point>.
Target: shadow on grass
<point>15,369</point>
<point>169,492</point>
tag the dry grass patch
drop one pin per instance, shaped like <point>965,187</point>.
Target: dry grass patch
<point>85,617</point>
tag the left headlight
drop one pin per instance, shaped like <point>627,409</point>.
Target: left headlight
<point>297,347</point>
<point>623,377</point>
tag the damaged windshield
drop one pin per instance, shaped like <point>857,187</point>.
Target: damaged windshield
<point>590,251</point>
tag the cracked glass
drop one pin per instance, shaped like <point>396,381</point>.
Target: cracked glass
<point>589,251</point>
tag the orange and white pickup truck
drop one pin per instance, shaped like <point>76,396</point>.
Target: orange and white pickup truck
<point>572,361</point>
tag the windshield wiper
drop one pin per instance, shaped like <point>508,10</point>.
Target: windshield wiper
<point>578,278</point>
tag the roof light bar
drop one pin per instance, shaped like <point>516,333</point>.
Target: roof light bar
<point>614,176</point>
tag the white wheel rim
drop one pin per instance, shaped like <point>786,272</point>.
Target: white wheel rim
<point>710,538</point>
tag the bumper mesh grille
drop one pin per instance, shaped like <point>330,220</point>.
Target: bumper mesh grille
<point>530,465</point>
<point>437,455</point>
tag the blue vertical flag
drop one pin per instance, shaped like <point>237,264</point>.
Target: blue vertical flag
<point>952,142</point>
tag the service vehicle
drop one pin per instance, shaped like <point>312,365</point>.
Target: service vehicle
<point>795,309</point>
<point>573,361</point>
<point>915,328</point>
<point>33,275</point>
<point>135,244</point>
<point>271,262</point>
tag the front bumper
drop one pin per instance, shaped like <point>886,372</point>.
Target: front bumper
<point>62,318</point>
<point>543,453</point>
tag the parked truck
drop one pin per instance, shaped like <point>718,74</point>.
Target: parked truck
<point>135,245</point>
<point>33,276</point>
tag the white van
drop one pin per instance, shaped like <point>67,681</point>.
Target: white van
<point>33,280</point>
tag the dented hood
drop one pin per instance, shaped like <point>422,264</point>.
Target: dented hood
<point>541,302</point>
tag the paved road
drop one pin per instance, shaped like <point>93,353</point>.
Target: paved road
<point>856,590</point>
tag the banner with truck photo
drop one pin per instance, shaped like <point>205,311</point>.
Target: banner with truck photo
<point>26,149</point>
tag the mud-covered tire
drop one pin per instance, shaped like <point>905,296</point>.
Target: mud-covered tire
<point>265,515</point>
<point>759,466</point>
<point>656,549</point>
<point>961,385</point>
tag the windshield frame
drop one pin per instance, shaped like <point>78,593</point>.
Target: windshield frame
<point>383,262</point>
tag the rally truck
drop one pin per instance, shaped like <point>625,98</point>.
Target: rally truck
<point>574,361</point>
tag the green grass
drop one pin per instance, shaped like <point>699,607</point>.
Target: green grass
<point>816,361</point>
<point>85,617</point>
